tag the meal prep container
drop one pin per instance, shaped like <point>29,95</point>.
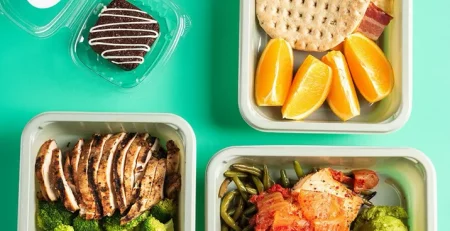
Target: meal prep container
<point>407,176</point>
<point>80,15</point>
<point>69,127</point>
<point>386,116</point>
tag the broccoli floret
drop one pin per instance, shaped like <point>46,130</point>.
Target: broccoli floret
<point>164,210</point>
<point>80,224</point>
<point>49,215</point>
<point>152,224</point>
<point>63,228</point>
<point>113,223</point>
<point>169,226</point>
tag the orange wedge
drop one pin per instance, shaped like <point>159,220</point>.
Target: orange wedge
<point>274,73</point>
<point>342,97</point>
<point>370,69</point>
<point>309,89</point>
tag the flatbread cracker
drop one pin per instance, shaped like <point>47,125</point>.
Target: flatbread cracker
<point>311,25</point>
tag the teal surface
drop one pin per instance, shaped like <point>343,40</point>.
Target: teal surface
<point>199,83</point>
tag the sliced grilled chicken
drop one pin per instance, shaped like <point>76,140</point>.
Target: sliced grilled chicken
<point>173,157</point>
<point>42,170</point>
<point>94,162</point>
<point>75,162</point>
<point>151,191</point>
<point>322,186</point>
<point>173,180</point>
<point>104,182</point>
<point>85,193</point>
<point>172,186</point>
<point>118,171</point>
<point>140,143</point>
<point>60,182</point>
<point>68,173</point>
<point>144,156</point>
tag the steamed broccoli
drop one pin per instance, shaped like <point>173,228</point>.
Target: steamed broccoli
<point>113,223</point>
<point>152,224</point>
<point>63,228</point>
<point>80,224</point>
<point>49,215</point>
<point>169,226</point>
<point>164,210</point>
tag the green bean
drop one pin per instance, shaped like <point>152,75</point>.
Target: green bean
<point>259,185</point>
<point>231,211</point>
<point>248,169</point>
<point>227,199</point>
<point>284,179</point>
<point>250,210</point>
<point>224,187</point>
<point>241,187</point>
<point>224,227</point>
<point>244,221</point>
<point>266,180</point>
<point>251,190</point>
<point>239,209</point>
<point>298,169</point>
<point>248,228</point>
<point>367,202</point>
<point>368,195</point>
<point>230,174</point>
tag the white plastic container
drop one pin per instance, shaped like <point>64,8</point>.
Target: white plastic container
<point>68,127</point>
<point>387,116</point>
<point>407,176</point>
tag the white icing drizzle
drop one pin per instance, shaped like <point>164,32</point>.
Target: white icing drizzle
<point>133,47</point>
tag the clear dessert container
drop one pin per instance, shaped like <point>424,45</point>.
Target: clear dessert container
<point>386,116</point>
<point>69,127</point>
<point>407,176</point>
<point>44,18</point>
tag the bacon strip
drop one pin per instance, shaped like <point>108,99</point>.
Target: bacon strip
<point>374,22</point>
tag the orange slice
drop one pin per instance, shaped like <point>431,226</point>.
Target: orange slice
<point>370,69</point>
<point>342,97</point>
<point>309,89</point>
<point>274,73</point>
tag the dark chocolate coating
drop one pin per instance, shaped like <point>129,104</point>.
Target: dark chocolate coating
<point>108,19</point>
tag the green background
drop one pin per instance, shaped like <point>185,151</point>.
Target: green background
<point>200,83</point>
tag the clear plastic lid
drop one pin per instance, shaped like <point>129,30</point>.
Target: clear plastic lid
<point>43,18</point>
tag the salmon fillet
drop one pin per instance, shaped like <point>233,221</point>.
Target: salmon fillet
<point>320,195</point>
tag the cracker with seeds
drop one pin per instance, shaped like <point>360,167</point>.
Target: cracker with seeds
<point>311,25</point>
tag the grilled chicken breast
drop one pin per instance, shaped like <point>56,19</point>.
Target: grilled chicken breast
<point>75,162</point>
<point>118,171</point>
<point>94,163</point>
<point>173,157</point>
<point>173,180</point>
<point>42,170</point>
<point>144,156</point>
<point>68,172</point>
<point>104,182</point>
<point>151,189</point>
<point>319,192</point>
<point>85,192</point>
<point>140,143</point>
<point>60,183</point>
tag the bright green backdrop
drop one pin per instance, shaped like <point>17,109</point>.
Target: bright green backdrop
<point>199,83</point>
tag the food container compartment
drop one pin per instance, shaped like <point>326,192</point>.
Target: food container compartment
<point>80,16</point>
<point>68,127</point>
<point>386,116</point>
<point>407,176</point>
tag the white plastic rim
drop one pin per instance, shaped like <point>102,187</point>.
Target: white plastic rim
<point>220,162</point>
<point>178,125</point>
<point>251,37</point>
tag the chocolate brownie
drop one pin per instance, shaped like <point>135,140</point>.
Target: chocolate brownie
<point>123,34</point>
